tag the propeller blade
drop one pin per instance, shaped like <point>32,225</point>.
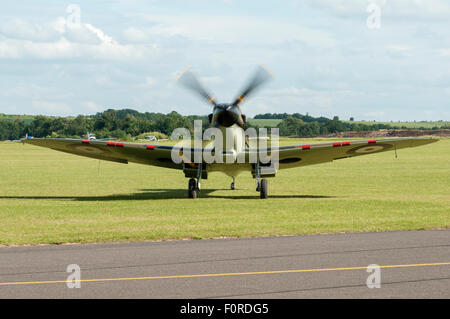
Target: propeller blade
<point>190,81</point>
<point>261,76</point>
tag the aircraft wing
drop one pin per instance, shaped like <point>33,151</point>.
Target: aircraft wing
<point>309,154</point>
<point>160,155</point>
<point>156,155</point>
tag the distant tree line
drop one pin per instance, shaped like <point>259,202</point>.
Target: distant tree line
<point>304,118</point>
<point>128,123</point>
<point>122,124</point>
<point>308,126</point>
<point>305,125</point>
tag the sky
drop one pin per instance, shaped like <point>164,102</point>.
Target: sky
<point>368,59</point>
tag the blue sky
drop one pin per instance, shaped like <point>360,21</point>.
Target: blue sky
<point>326,59</point>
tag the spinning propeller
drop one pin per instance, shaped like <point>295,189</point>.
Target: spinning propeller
<point>225,114</point>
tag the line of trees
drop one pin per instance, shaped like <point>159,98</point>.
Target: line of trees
<point>128,123</point>
<point>122,124</point>
<point>305,125</point>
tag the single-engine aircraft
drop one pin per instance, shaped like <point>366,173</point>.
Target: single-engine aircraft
<point>225,117</point>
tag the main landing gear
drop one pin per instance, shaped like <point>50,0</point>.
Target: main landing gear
<point>262,188</point>
<point>261,184</point>
<point>193,188</point>
<point>194,184</point>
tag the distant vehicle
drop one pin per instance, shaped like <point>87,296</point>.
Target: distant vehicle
<point>151,138</point>
<point>91,136</point>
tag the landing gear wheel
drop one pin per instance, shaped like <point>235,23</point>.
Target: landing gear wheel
<point>193,193</point>
<point>263,188</point>
<point>233,184</point>
<point>192,188</point>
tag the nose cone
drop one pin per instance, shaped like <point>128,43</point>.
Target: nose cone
<point>228,115</point>
<point>226,118</point>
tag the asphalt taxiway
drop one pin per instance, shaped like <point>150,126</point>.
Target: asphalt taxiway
<point>413,264</point>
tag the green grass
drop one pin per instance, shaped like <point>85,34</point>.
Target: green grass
<point>52,197</point>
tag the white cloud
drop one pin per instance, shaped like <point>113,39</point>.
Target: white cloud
<point>168,30</point>
<point>59,40</point>
<point>19,29</point>
<point>399,51</point>
<point>24,30</point>
<point>325,59</point>
<point>136,35</point>
<point>93,107</point>
<point>150,35</point>
<point>419,8</point>
<point>101,36</point>
<point>305,100</point>
<point>8,51</point>
<point>423,9</point>
<point>50,107</point>
<point>374,115</point>
<point>211,80</point>
<point>82,35</point>
<point>399,48</point>
<point>237,29</point>
<point>149,82</point>
<point>444,52</point>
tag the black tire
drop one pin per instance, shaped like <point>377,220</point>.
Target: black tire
<point>192,193</point>
<point>263,188</point>
<point>192,188</point>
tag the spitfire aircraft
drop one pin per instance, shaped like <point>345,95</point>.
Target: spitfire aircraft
<point>226,118</point>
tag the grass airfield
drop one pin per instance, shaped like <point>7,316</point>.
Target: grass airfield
<point>49,197</point>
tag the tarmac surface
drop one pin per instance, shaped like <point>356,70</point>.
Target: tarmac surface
<point>413,264</point>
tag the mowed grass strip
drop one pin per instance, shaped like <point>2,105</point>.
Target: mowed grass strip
<point>48,197</point>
